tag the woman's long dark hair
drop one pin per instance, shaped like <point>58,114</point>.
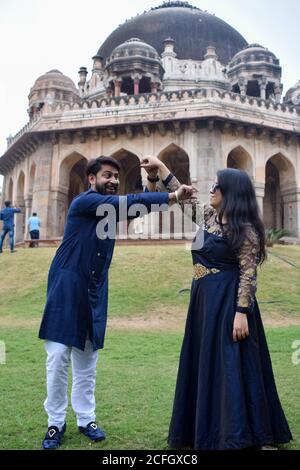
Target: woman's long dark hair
<point>240,206</point>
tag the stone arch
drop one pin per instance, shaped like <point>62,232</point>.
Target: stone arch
<point>72,177</point>
<point>72,181</point>
<point>10,190</point>
<point>240,159</point>
<point>21,185</point>
<point>130,182</point>
<point>125,146</point>
<point>20,202</point>
<point>178,162</point>
<point>280,199</point>
<point>130,175</point>
<point>32,175</point>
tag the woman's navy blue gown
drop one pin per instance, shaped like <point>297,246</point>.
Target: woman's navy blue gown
<point>225,396</point>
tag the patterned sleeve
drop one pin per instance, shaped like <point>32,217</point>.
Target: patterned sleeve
<point>248,261</point>
<point>196,210</point>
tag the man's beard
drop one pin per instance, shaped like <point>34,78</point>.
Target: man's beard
<point>107,188</point>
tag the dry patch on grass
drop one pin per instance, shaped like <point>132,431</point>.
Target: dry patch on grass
<point>174,320</point>
<point>274,320</point>
<point>15,322</point>
<point>162,319</point>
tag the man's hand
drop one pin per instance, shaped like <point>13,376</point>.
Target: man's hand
<point>240,327</point>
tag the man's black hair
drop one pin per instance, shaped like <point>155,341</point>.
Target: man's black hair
<point>7,203</point>
<point>34,214</point>
<point>95,164</point>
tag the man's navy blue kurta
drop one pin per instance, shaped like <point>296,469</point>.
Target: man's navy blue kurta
<point>77,294</point>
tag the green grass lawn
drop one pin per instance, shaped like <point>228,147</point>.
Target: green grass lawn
<point>136,371</point>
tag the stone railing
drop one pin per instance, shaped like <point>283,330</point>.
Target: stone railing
<point>24,129</point>
<point>174,96</point>
<point>156,100</point>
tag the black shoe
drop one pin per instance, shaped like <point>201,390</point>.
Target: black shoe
<point>53,437</point>
<point>93,432</point>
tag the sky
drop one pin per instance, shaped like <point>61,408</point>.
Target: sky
<point>39,35</point>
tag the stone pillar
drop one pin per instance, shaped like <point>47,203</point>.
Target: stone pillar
<point>109,91</point>
<point>117,84</point>
<point>41,195</point>
<point>291,210</point>
<point>82,77</point>
<point>209,160</point>
<point>260,194</point>
<point>278,92</point>
<point>243,86</point>
<point>98,64</point>
<point>59,209</point>
<point>154,86</point>
<point>136,83</point>
<point>297,227</point>
<point>169,45</point>
<point>28,210</point>
<point>4,194</point>
<point>20,220</point>
<point>263,86</point>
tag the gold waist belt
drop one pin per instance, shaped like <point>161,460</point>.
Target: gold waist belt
<point>201,271</point>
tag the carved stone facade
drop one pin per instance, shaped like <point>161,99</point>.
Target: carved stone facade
<point>198,116</point>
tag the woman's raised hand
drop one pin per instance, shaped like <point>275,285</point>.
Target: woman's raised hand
<point>151,163</point>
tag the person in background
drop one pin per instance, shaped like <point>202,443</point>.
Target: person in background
<point>7,216</point>
<point>34,224</point>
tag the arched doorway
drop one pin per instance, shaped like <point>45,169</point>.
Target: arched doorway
<point>72,181</point>
<point>77,179</point>
<point>20,202</point>
<point>240,159</point>
<point>280,200</point>
<point>177,160</point>
<point>31,179</point>
<point>130,183</point>
<point>10,188</point>
<point>130,176</point>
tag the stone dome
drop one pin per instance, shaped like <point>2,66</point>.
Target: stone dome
<point>53,79</point>
<point>292,96</point>
<point>254,53</point>
<point>192,29</point>
<point>52,87</point>
<point>132,56</point>
<point>255,71</point>
<point>134,46</point>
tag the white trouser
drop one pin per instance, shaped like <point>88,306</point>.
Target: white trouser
<point>83,386</point>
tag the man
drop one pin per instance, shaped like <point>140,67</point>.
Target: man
<point>75,314</point>
<point>34,224</point>
<point>7,215</point>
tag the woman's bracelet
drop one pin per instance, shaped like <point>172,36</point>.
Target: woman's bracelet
<point>176,195</point>
<point>153,179</point>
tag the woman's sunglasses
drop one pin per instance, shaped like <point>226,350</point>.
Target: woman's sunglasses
<point>214,187</point>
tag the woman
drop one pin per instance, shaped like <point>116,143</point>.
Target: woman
<point>225,396</point>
